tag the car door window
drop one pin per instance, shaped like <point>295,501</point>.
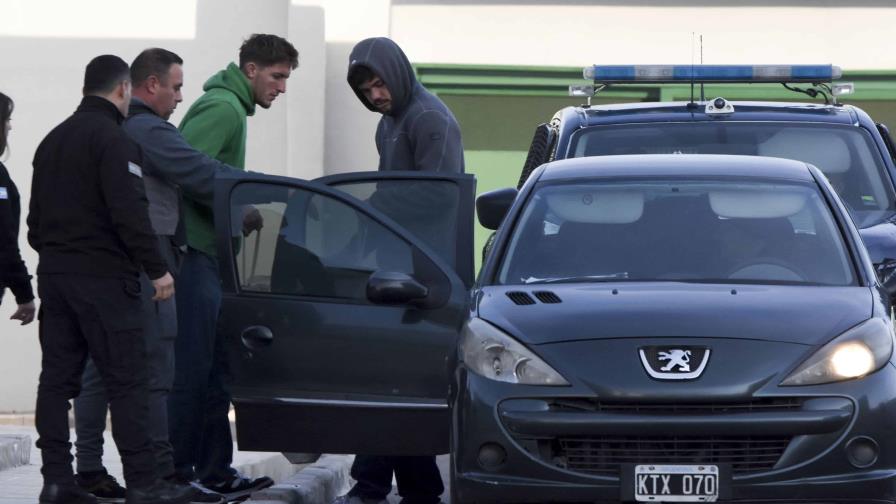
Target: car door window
<point>426,208</point>
<point>312,244</point>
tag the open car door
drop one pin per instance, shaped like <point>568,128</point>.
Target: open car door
<point>341,312</point>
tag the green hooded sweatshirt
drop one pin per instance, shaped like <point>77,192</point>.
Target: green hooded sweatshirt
<point>216,125</point>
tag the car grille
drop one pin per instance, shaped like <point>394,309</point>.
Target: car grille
<point>603,455</point>
<point>764,404</point>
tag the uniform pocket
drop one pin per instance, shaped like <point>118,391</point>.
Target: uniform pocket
<point>118,304</point>
<point>131,287</point>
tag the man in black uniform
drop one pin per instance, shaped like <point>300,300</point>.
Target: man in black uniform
<point>88,222</point>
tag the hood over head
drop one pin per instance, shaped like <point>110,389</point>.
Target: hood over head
<point>234,80</point>
<point>383,56</point>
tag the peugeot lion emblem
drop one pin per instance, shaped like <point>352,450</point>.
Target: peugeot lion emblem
<point>674,363</point>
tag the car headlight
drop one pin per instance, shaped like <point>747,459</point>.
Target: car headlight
<point>490,353</point>
<point>859,351</point>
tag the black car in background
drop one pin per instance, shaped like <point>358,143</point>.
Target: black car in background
<point>853,151</point>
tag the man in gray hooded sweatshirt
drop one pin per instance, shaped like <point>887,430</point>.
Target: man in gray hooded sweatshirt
<point>416,132</point>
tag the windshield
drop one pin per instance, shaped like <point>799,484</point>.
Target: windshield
<point>846,154</point>
<point>714,231</point>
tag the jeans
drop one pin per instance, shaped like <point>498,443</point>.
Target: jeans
<point>199,402</point>
<point>160,330</point>
<point>418,478</point>
<point>83,315</point>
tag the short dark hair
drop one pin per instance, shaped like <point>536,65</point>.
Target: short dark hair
<point>103,73</point>
<point>265,50</point>
<point>358,75</point>
<point>6,106</point>
<point>153,61</point>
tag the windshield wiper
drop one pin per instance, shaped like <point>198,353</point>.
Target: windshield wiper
<point>584,278</point>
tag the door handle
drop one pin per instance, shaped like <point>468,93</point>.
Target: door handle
<point>255,337</point>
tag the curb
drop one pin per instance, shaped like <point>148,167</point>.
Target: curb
<point>15,451</point>
<point>317,483</point>
<point>273,465</point>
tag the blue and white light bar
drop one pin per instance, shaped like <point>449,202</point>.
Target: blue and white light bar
<point>610,74</point>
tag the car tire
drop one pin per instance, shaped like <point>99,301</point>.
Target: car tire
<point>538,152</point>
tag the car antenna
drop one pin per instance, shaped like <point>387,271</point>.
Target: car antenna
<point>702,95</point>
<point>691,103</point>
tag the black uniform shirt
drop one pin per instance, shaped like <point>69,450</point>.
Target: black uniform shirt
<point>88,212</point>
<point>13,273</point>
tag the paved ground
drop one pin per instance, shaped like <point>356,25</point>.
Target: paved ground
<point>21,485</point>
<point>316,483</point>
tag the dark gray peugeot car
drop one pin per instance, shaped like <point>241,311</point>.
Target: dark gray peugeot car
<point>646,328</point>
<point>677,328</point>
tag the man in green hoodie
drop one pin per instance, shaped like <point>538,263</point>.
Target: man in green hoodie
<point>199,402</point>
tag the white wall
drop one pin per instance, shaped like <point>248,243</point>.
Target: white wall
<point>350,126</point>
<point>44,74</point>
<point>320,127</point>
<point>852,34</point>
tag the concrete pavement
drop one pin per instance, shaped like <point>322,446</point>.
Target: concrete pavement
<point>321,482</point>
<point>22,484</point>
<point>316,483</point>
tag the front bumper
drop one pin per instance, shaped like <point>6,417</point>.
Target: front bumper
<point>554,454</point>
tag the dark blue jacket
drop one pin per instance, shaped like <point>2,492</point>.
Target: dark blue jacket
<point>88,212</point>
<point>13,273</point>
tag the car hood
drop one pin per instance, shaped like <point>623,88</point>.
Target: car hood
<point>793,314</point>
<point>880,240</point>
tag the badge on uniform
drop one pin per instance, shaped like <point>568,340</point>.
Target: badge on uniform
<point>135,169</point>
<point>4,194</point>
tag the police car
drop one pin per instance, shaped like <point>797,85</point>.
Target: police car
<point>855,153</point>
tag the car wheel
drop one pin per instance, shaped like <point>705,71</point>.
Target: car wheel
<point>538,152</point>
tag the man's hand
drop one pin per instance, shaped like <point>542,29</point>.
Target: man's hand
<point>25,313</point>
<point>252,220</point>
<point>164,287</point>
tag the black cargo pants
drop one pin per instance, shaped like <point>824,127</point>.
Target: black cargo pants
<point>418,478</point>
<point>83,315</point>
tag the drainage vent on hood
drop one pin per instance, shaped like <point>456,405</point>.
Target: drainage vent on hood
<point>520,298</point>
<point>547,297</point>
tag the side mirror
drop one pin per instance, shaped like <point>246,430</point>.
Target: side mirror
<point>491,207</point>
<point>391,287</point>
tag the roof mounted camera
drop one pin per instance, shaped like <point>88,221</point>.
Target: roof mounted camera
<point>719,106</point>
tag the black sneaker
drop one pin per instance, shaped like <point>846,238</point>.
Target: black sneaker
<point>207,497</point>
<point>102,485</point>
<point>202,495</point>
<point>239,486</point>
<point>161,492</point>
<point>65,494</point>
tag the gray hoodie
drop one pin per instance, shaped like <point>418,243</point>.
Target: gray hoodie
<point>171,165</point>
<point>419,132</point>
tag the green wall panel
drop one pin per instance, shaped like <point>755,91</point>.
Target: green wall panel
<point>493,170</point>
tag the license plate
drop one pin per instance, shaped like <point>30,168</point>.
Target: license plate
<point>676,483</point>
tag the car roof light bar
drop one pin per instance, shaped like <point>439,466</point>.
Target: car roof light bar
<point>618,74</point>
